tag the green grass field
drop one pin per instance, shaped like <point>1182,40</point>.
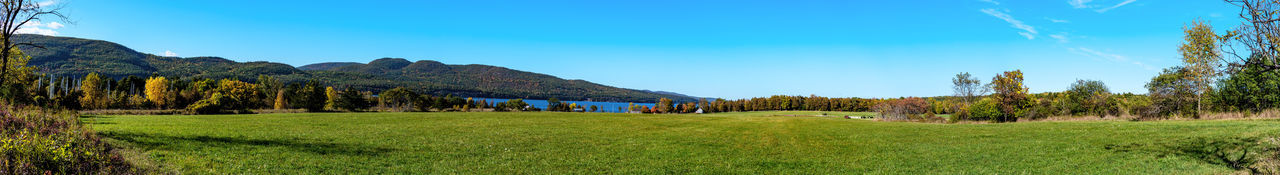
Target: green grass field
<point>593,143</point>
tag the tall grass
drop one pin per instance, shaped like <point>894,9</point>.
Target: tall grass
<point>39,141</point>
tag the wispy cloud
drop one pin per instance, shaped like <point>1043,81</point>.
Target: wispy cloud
<point>1061,37</point>
<point>47,3</point>
<point>1027,30</point>
<point>1111,57</point>
<point>170,54</point>
<point>1028,35</point>
<point>55,25</point>
<point>1057,20</point>
<point>1079,3</point>
<point>991,1</point>
<point>1126,2</point>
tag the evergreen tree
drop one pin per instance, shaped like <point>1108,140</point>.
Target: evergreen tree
<point>315,98</point>
<point>351,100</point>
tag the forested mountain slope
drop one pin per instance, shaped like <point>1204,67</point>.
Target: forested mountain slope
<point>75,57</point>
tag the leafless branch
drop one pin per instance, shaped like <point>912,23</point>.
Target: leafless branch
<point>14,14</point>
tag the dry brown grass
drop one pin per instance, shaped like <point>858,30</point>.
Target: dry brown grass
<point>1267,114</point>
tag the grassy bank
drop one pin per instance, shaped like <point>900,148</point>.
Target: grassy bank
<point>757,143</point>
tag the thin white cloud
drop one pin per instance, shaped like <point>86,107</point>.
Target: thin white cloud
<point>170,54</point>
<point>47,3</point>
<point>37,30</point>
<point>1027,30</point>
<point>1126,2</point>
<point>991,1</point>
<point>1079,3</point>
<point>55,25</point>
<point>1057,20</point>
<point>1112,57</point>
<point>1028,35</point>
<point>1061,37</point>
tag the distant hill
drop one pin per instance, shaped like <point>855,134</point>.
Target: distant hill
<point>327,66</point>
<point>64,56</point>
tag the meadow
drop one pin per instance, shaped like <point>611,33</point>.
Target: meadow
<point>607,143</point>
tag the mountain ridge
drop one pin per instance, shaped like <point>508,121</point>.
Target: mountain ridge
<point>75,57</point>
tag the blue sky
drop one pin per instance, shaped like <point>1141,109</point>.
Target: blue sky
<point>709,48</point>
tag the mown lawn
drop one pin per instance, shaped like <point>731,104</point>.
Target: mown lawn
<point>593,143</point>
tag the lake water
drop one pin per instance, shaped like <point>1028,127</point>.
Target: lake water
<point>542,104</point>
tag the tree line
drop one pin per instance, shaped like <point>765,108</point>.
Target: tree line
<point>207,96</point>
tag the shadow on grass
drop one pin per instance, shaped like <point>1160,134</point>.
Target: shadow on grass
<point>1239,153</point>
<point>95,122</point>
<point>151,142</point>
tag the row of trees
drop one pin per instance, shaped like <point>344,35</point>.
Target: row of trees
<point>772,103</point>
<point>216,96</point>
<point>555,104</point>
<point>1209,80</point>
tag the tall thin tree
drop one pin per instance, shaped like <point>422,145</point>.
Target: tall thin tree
<point>1201,55</point>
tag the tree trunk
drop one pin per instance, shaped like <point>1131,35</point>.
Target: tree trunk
<point>1198,105</point>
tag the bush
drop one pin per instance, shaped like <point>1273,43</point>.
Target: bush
<point>215,104</point>
<point>35,141</point>
<point>1252,89</point>
<point>985,109</point>
<point>903,109</point>
<point>1090,97</point>
<point>960,114</point>
<point>1170,94</point>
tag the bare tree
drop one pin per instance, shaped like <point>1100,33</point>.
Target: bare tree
<point>14,14</point>
<point>1259,35</point>
<point>966,87</point>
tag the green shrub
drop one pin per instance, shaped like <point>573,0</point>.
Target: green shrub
<point>215,104</point>
<point>960,114</point>
<point>985,109</point>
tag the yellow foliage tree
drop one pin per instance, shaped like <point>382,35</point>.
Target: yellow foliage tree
<point>157,91</point>
<point>332,96</point>
<point>94,97</point>
<point>241,92</point>
<point>19,74</point>
<point>280,100</point>
<point>1011,94</point>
